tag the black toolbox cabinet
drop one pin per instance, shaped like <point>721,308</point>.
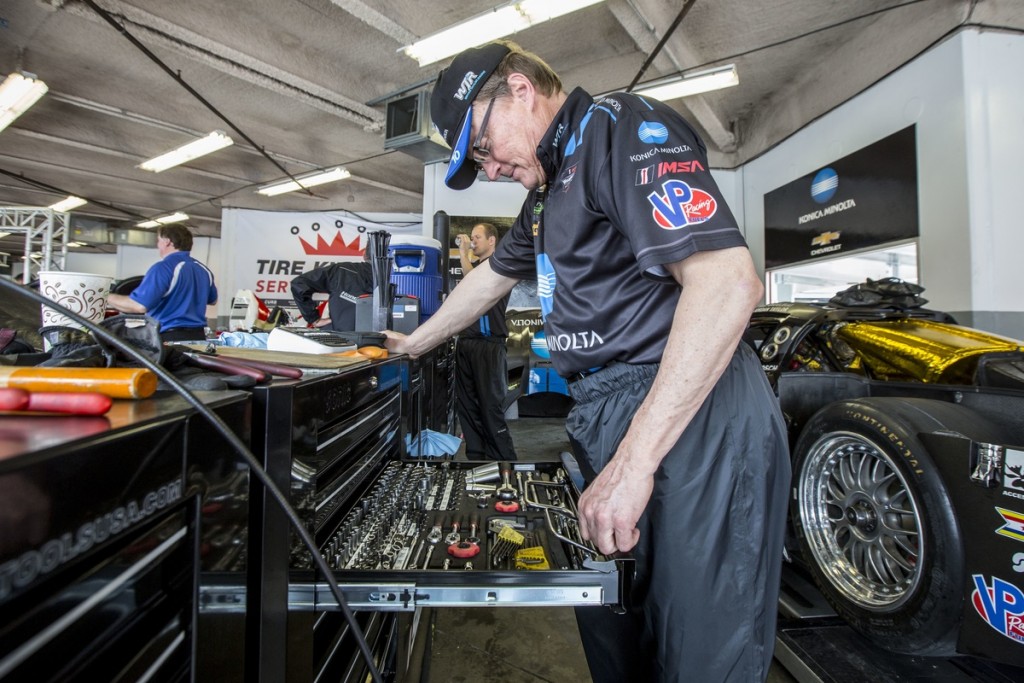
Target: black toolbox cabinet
<point>109,529</point>
<point>335,444</point>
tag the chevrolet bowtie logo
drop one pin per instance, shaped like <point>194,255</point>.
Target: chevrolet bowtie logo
<point>825,238</point>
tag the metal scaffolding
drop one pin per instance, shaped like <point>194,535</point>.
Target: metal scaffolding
<point>46,236</point>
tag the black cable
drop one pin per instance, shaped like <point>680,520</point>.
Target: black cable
<point>181,81</point>
<point>236,443</point>
<point>791,39</point>
<point>661,43</point>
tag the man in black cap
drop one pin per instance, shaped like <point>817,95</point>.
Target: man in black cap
<point>646,287</point>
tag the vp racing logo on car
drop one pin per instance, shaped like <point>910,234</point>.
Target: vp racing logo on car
<point>1000,605</point>
<point>680,205</point>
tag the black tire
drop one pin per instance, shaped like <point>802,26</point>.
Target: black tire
<point>875,522</point>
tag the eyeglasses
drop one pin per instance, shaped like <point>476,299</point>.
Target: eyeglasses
<point>481,154</point>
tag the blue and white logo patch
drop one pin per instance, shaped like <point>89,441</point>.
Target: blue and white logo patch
<point>545,284</point>
<point>824,185</point>
<point>652,132</point>
<point>539,345</point>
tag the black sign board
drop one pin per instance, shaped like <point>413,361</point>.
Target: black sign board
<point>863,200</point>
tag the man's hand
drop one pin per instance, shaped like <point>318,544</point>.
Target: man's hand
<point>610,507</point>
<point>464,242</point>
<point>396,342</point>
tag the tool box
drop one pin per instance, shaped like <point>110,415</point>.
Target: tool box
<point>399,533</point>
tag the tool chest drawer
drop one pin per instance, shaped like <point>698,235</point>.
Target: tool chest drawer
<point>463,534</point>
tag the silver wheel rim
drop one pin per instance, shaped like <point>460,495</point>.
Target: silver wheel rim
<point>861,521</point>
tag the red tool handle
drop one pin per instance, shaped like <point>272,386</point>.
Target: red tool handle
<point>213,363</point>
<point>13,399</point>
<point>77,403</point>
<point>88,403</point>
<point>272,368</point>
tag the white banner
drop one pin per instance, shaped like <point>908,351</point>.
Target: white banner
<point>263,250</point>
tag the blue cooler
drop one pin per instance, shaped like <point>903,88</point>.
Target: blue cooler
<point>416,270</point>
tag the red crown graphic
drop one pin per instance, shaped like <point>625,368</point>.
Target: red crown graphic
<point>336,247</point>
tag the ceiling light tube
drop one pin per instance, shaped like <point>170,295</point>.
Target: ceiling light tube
<point>691,84</point>
<point>318,178</point>
<point>497,23</point>
<point>197,148</point>
<point>18,92</point>
<point>163,220</point>
<point>71,202</point>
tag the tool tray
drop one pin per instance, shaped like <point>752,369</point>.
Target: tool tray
<point>335,444</point>
<point>463,534</point>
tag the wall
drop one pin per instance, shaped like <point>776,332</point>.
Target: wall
<point>965,97</point>
<point>994,117</point>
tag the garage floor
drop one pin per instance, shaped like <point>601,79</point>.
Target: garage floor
<point>516,645</point>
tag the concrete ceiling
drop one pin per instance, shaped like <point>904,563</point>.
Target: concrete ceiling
<point>306,81</point>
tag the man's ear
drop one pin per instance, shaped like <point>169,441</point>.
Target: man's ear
<point>520,87</point>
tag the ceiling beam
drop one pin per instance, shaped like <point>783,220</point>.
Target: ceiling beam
<point>638,17</point>
<point>376,20</point>
<point>202,50</point>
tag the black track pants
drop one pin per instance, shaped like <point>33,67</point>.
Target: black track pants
<point>709,558</point>
<point>481,379</point>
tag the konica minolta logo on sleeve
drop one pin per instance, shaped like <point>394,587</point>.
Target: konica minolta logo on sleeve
<point>652,132</point>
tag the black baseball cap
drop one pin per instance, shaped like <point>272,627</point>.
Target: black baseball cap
<point>451,106</point>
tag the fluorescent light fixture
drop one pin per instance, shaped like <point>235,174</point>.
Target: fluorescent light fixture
<point>197,148</point>
<point>483,28</point>
<point>71,202</point>
<point>76,244</point>
<point>17,93</point>
<point>318,178</point>
<point>690,84</point>
<point>4,233</point>
<point>163,220</point>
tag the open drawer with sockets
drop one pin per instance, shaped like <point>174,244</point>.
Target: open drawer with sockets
<point>396,532</point>
<point>463,534</point>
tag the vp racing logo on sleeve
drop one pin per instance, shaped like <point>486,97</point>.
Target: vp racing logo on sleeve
<point>545,284</point>
<point>679,205</point>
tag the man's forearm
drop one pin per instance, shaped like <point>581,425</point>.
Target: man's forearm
<point>125,304</point>
<point>707,327</point>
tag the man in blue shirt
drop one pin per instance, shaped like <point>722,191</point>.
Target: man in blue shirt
<point>175,291</point>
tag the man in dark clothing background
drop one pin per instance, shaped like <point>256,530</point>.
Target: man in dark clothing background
<point>481,364</point>
<point>343,282</point>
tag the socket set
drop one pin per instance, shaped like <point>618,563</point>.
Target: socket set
<point>421,516</point>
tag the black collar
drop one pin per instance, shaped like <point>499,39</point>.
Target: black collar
<point>551,150</point>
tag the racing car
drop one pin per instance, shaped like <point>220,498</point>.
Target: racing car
<point>907,498</point>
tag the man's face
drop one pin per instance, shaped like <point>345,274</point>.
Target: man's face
<point>480,243</point>
<point>510,145</point>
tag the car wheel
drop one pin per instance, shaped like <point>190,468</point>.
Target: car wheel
<point>875,522</point>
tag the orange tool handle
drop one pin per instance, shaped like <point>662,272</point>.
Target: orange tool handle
<point>112,382</point>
